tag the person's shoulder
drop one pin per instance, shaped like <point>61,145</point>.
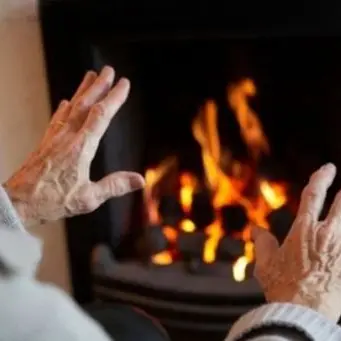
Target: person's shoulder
<point>20,252</point>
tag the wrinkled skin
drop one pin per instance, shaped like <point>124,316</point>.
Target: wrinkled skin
<point>306,269</point>
<point>54,181</point>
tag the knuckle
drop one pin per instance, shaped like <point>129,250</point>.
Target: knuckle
<point>80,105</point>
<point>90,204</point>
<point>99,110</point>
<point>310,193</point>
<point>119,187</point>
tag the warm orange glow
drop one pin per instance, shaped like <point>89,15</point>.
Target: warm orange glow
<point>170,233</point>
<point>274,194</point>
<point>187,226</point>
<point>188,184</point>
<point>225,177</point>
<point>162,258</point>
<point>239,268</point>
<point>152,178</point>
<point>214,234</point>
<point>250,126</point>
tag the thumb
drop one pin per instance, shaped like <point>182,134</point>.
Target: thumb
<point>265,243</point>
<point>118,184</point>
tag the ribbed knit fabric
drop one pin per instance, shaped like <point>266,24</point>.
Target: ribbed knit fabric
<point>309,322</point>
<point>8,215</point>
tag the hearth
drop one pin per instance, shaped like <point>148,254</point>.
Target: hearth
<point>187,257</point>
<point>226,122</point>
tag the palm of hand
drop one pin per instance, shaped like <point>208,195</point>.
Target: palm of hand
<point>55,182</point>
<point>306,269</point>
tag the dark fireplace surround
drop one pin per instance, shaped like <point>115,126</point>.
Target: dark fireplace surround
<point>83,35</point>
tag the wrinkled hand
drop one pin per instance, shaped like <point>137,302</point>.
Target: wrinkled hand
<point>54,182</point>
<point>306,269</point>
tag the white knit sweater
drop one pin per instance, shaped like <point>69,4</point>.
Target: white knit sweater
<point>33,311</point>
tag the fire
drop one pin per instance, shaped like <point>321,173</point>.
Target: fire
<point>250,126</point>
<point>170,233</point>
<point>274,194</point>
<point>214,234</point>
<point>163,258</point>
<point>188,184</point>
<point>225,178</point>
<point>153,177</point>
<point>187,226</point>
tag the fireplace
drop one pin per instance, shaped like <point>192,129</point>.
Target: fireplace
<point>226,123</point>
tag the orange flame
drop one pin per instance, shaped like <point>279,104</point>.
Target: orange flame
<point>274,194</point>
<point>187,226</point>
<point>163,258</point>
<point>188,183</point>
<point>227,189</point>
<point>226,186</point>
<point>152,178</point>
<point>250,126</point>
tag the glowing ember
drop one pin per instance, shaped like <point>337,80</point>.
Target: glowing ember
<point>274,194</point>
<point>170,233</point>
<point>227,185</point>
<point>214,233</point>
<point>188,184</point>
<point>162,258</point>
<point>239,268</point>
<point>187,226</point>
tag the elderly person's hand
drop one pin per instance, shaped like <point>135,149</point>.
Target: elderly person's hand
<point>306,269</point>
<point>54,181</point>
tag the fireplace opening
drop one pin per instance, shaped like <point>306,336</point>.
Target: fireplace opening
<point>225,124</point>
<point>226,132</point>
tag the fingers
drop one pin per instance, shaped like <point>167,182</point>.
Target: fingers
<point>314,194</point>
<point>334,215</point>
<point>89,95</point>
<point>265,245</point>
<point>102,113</point>
<point>58,117</point>
<point>117,184</point>
<point>88,80</point>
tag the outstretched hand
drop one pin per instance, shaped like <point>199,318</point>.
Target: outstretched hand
<point>306,269</point>
<point>54,182</point>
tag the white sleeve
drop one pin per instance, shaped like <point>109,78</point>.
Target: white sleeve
<point>269,338</point>
<point>31,310</point>
<point>20,252</point>
<point>284,321</point>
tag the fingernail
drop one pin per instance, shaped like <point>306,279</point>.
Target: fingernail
<point>124,81</point>
<point>107,70</point>
<point>328,167</point>
<point>136,182</point>
<point>91,74</point>
<point>63,104</point>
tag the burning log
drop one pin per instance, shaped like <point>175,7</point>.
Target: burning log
<point>191,245</point>
<point>230,249</point>
<point>170,210</point>
<point>280,221</point>
<point>155,240</point>
<point>202,213</point>
<point>234,218</point>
